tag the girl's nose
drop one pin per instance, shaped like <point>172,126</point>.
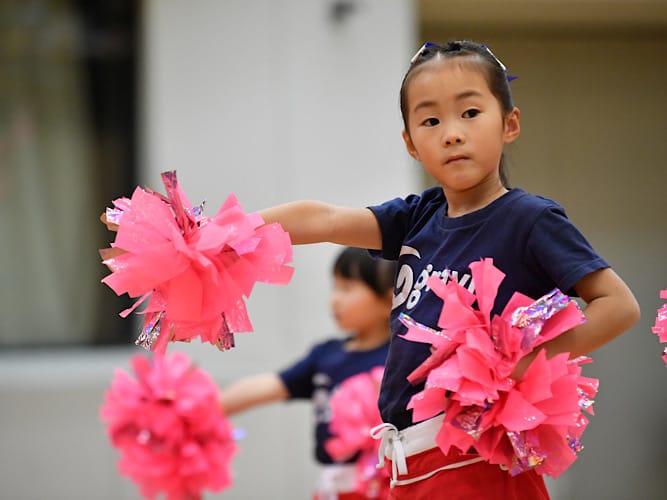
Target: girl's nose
<point>451,137</point>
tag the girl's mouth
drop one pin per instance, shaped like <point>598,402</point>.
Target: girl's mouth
<point>455,158</point>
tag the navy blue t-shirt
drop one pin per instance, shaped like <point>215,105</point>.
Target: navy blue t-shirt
<point>317,375</point>
<point>528,237</point>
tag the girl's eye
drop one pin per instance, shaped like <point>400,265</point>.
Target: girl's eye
<point>470,113</point>
<point>431,122</point>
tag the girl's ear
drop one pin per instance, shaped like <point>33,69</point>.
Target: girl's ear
<point>512,125</point>
<point>409,146</point>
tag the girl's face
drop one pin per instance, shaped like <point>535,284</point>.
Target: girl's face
<point>456,128</point>
<point>357,309</point>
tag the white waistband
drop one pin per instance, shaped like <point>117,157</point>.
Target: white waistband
<point>398,445</point>
<point>421,437</point>
<point>414,439</point>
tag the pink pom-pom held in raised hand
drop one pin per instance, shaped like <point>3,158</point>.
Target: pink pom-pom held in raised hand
<point>167,424</point>
<point>194,271</point>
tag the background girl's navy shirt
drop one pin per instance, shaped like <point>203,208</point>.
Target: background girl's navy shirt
<point>317,375</point>
<point>529,238</point>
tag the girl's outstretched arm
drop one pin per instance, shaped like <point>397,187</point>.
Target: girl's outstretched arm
<point>611,309</point>
<point>311,221</point>
<point>252,391</point>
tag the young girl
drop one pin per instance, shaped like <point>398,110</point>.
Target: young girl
<point>361,303</point>
<point>458,114</point>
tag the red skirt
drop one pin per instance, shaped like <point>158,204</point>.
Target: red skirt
<point>479,480</point>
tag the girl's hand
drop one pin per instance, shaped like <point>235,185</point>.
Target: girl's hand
<point>110,225</point>
<point>110,253</point>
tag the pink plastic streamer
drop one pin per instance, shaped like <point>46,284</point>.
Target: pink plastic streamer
<point>193,271</point>
<point>535,422</point>
<point>354,412</point>
<point>660,326</point>
<point>167,424</point>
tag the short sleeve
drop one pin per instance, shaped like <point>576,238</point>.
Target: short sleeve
<point>396,217</point>
<point>298,378</point>
<point>561,250</point>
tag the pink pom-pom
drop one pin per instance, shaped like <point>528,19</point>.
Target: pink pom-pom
<point>532,423</point>
<point>193,270</point>
<point>660,327</point>
<point>354,412</point>
<point>537,424</point>
<point>169,428</point>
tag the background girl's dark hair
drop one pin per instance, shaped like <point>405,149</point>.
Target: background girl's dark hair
<point>357,264</point>
<point>476,55</point>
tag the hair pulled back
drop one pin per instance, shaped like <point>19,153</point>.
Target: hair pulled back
<point>475,55</point>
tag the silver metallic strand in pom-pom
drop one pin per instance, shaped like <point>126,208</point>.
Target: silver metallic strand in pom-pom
<point>531,318</point>
<point>150,331</point>
<point>226,338</point>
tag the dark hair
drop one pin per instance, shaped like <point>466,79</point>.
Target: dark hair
<point>357,264</point>
<point>476,55</point>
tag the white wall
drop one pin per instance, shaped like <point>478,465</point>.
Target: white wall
<point>277,103</point>
<point>271,100</point>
